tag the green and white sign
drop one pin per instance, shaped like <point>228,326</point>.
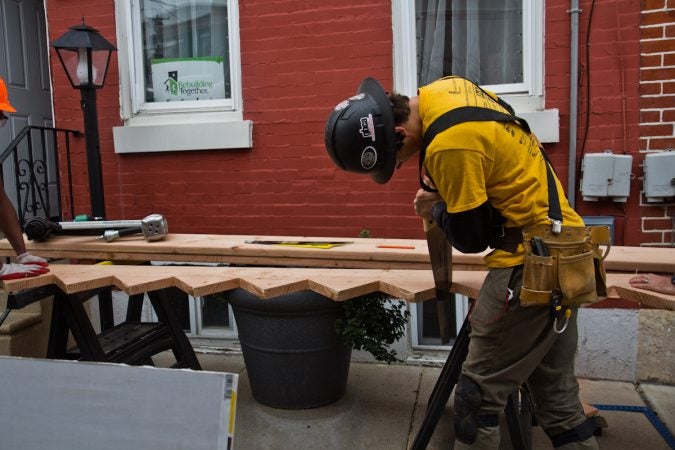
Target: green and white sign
<point>179,79</point>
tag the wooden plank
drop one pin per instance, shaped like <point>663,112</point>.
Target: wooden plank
<point>337,284</point>
<point>619,286</point>
<point>360,253</point>
<point>589,410</point>
<point>65,405</point>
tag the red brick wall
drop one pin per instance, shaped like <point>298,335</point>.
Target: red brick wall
<point>608,103</point>
<point>299,58</point>
<point>657,107</point>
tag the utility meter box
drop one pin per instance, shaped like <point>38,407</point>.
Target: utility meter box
<point>606,176</point>
<point>659,183</point>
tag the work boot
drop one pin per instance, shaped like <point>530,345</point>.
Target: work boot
<point>488,439</point>
<point>588,444</point>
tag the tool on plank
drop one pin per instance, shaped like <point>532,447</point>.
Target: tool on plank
<point>399,247</point>
<point>304,244</point>
<point>153,227</point>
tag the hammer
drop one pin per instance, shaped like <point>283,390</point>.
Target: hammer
<point>154,227</point>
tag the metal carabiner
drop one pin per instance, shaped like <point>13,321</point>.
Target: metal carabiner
<point>568,314</point>
<point>556,226</point>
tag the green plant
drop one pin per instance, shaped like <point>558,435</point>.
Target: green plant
<point>373,322</point>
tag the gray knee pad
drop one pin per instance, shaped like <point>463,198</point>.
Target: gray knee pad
<point>468,400</point>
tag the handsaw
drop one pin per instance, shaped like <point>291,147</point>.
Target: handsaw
<point>440,255</point>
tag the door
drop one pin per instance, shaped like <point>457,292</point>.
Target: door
<point>24,65</point>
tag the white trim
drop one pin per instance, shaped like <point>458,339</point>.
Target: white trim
<point>403,23</point>
<point>124,50</point>
<point>545,124</point>
<point>183,136</point>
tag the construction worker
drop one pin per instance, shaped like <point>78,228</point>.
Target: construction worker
<point>27,265</point>
<point>484,179</point>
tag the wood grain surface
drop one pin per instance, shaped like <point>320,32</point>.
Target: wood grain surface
<point>356,253</point>
<point>339,285</point>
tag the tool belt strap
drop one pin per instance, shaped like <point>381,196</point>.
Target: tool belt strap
<point>509,239</point>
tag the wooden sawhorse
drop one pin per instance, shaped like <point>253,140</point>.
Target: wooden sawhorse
<point>130,342</point>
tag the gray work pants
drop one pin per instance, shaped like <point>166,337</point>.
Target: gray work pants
<point>511,345</point>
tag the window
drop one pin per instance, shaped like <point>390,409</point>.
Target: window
<point>426,332</point>
<point>208,321</point>
<point>184,53</point>
<point>496,43</point>
<point>479,40</point>
<point>204,318</point>
<point>180,76</point>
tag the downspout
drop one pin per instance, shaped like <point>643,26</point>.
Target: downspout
<point>574,12</point>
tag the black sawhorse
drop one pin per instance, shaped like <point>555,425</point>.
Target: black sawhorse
<point>131,342</point>
<point>518,409</point>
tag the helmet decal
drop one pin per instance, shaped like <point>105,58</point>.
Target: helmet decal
<point>367,128</point>
<point>341,105</point>
<point>368,157</point>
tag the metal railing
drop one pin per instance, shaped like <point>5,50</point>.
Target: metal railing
<point>32,176</point>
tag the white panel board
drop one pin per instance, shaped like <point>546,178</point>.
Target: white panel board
<point>66,405</point>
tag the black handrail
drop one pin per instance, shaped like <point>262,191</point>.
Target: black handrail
<point>34,172</point>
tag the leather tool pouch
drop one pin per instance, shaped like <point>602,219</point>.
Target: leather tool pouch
<point>573,265</point>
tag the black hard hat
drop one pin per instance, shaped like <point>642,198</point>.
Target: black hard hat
<point>359,134</point>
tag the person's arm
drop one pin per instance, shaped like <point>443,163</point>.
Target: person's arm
<point>9,224</point>
<point>28,265</point>
<point>653,282</point>
<point>469,231</point>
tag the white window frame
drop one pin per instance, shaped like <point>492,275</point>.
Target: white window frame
<point>527,98</point>
<point>190,125</point>
<point>461,305</point>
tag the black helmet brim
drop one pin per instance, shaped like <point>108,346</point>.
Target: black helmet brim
<point>373,88</point>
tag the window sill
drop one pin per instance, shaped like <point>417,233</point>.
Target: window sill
<point>545,124</point>
<point>182,133</point>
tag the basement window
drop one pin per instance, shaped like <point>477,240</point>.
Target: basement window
<point>180,76</point>
<point>427,333</point>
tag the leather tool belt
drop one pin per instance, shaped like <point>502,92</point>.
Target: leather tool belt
<point>570,264</point>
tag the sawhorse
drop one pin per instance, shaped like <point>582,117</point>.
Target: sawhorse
<point>518,409</point>
<point>131,342</point>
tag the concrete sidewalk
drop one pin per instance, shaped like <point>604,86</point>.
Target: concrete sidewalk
<point>384,407</point>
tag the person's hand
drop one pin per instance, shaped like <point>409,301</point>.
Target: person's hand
<point>14,271</point>
<point>27,258</point>
<point>424,201</point>
<point>653,282</point>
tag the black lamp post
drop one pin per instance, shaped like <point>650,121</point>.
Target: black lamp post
<point>85,55</point>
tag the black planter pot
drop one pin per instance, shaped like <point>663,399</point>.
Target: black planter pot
<point>293,356</point>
